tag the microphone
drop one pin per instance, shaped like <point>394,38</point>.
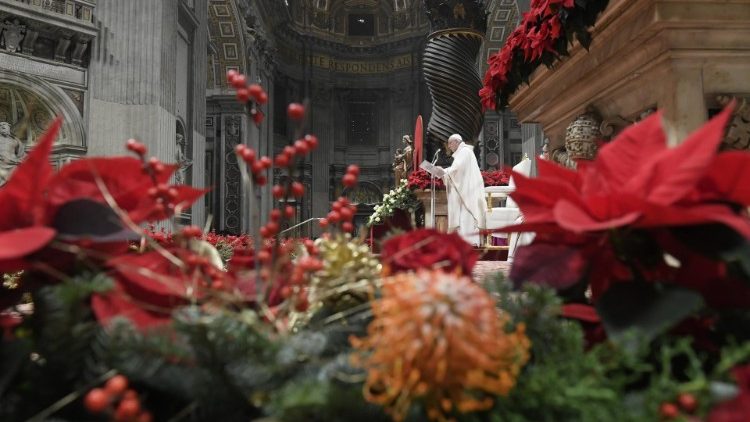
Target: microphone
<point>435,157</point>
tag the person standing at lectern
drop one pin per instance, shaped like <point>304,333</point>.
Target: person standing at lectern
<point>465,190</point>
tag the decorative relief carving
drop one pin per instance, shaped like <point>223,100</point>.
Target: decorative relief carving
<point>738,131</point>
<point>232,177</point>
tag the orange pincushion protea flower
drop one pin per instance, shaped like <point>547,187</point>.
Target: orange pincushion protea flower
<point>438,338</point>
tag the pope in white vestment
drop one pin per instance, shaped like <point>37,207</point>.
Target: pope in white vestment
<point>465,189</point>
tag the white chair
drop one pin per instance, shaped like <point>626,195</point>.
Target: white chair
<point>508,213</point>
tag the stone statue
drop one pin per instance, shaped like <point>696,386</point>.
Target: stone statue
<point>545,155</point>
<point>402,162</point>
<point>11,152</point>
<point>582,139</point>
<point>13,33</point>
<point>183,162</point>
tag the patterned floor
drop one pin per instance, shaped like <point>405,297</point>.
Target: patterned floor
<point>488,267</point>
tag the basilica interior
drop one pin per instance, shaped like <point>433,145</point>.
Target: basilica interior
<point>155,71</point>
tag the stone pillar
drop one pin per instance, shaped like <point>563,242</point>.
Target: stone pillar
<point>532,139</point>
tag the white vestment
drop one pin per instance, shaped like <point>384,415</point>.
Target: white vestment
<point>465,189</point>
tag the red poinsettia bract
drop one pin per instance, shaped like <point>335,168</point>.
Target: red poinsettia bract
<point>635,183</point>
<point>34,196</point>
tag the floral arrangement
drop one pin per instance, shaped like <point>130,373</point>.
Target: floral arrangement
<point>542,37</point>
<point>634,306</point>
<point>400,198</point>
<point>225,245</point>
<point>420,179</point>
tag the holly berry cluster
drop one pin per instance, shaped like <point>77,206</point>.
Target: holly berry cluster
<point>685,402</point>
<point>251,95</point>
<point>342,211</point>
<point>164,196</point>
<point>256,166</point>
<point>117,402</point>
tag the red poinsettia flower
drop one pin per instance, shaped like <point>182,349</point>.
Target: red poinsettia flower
<point>430,249</point>
<point>635,183</point>
<point>35,198</point>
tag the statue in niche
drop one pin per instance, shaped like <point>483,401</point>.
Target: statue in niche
<point>402,161</point>
<point>12,34</point>
<point>738,131</point>
<point>11,152</point>
<point>183,162</point>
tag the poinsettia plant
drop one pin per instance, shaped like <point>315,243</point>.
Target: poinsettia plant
<point>420,179</point>
<point>646,229</point>
<point>542,37</point>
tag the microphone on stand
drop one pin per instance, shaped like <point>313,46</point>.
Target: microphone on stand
<point>435,157</point>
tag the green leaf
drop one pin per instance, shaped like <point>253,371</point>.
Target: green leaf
<point>635,313</point>
<point>13,354</point>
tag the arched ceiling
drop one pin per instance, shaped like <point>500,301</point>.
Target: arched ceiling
<point>358,21</point>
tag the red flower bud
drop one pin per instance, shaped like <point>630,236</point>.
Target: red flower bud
<point>265,162</point>
<point>347,227</point>
<point>239,82</point>
<point>668,411</point>
<point>231,74</point>
<point>243,95</point>
<point>255,91</point>
<point>289,211</point>
<point>312,141</point>
<point>248,155</point>
<point>687,402</point>
<point>298,189</point>
<point>273,227</point>
<point>277,191</point>
<point>295,111</point>
<point>349,180</point>
<point>301,147</point>
<point>353,169</point>
<point>96,400</point>
<point>289,150</point>
<point>323,223</point>
<point>136,147</point>
<point>257,116</point>
<point>261,180</point>
<point>264,234</point>
<point>281,160</point>
<point>275,215</point>
<point>333,217</point>
<point>346,214</point>
<point>262,98</point>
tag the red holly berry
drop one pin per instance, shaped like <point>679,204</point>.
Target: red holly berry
<point>248,155</point>
<point>285,292</point>
<point>129,394</point>
<point>128,409</point>
<point>333,217</point>
<point>156,165</point>
<point>323,223</point>
<point>261,180</point>
<point>687,402</point>
<point>346,213</point>
<point>192,231</point>
<point>272,227</point>
<point>239,82</point>
<point>262,98</point>
<point>243,95</point>
<point>265,162</point>
<point>347,227</point>
<point>116,385</point>
<point>255,91</point>
<point>312,141</point>
<point>289,150</point>
<point>281,160</point>
<point>301,147</point>
<point>263,232</point>
<point>295,111</point>
<point>336,206</point>
<point>257,116</point>
<point>277,191</point>
<point>668,411</point>
<point>275,215</point>
<point>264,256</point>
<point>349,180</point>
<point>256,167</point>
<point>231,74</point>
<point>298,189</point>
<point>289,211</point>
<point>136,147</point>
<point>96,400</point>
<point>353,169</point>
<point>145,417</point>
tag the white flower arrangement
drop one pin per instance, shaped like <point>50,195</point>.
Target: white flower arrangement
<point>399,198</point>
